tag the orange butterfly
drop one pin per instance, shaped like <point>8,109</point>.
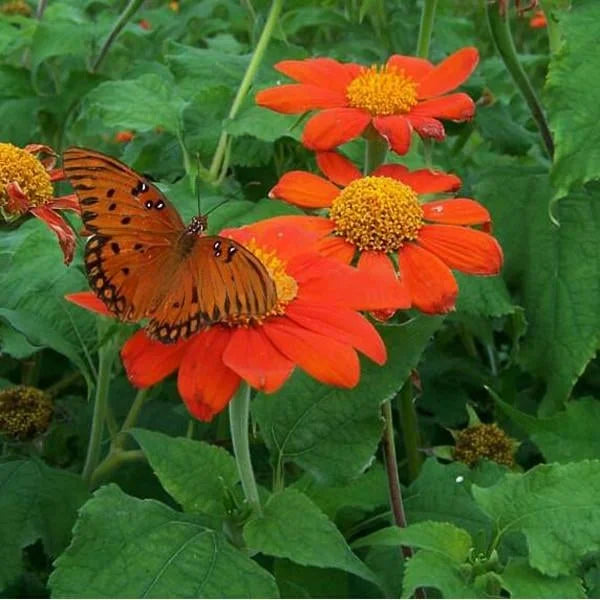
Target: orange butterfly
<point>143,262</point>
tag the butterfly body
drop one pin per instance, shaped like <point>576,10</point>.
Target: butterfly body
<point>144,263</point>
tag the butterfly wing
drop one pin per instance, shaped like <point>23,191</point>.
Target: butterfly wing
<point>135,230</point>
<point>219,281</point>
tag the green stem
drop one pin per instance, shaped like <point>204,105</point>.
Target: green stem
<point>239,410</point>
<point>131,418</point>
<point>375,151</point>
<point>501,34</point>
<point>106,356</point>
<point>426,28</point>
<point>218,162</point>
<point>41,7</point>
<point>63,383</point>
<point>129,11</point>
<point>112,462</point>
<point>552,29</point>
<point>410,430</point>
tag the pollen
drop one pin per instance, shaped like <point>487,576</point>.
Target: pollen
<point>382,91</point>
<point>24,169</point>
<point>377,213</point>
<point>484,441</point>
<point>25,412</point>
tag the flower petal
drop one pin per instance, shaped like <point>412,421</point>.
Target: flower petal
<point>147,361</point>
<point>323,72</point>
<point>64,233</point>
<point>205,383</point>
<point>430,282</point>
<point>253,357</point>
<point>427,127</point>
<point>342,324</point>
<point>333,127</point>
<point>413,66</point>
<point>89,301</point>
<point>337,168</point>
<point>337,248</point>
<point>384,290</point>
<point>396,130</point>
<point>69,202</point>
<point>327,360</point>
<point>17,199</point>
<point>450,73</point>
<point>456,211</point>
<point>458,107</point>
<point>305,189</point>
<point>298,98</point>
<point>423,181</point>
<point>467,250</point>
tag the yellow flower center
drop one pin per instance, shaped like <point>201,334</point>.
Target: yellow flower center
<point>285,285</point>
<point>377,213</point>
<point>16,7</point>
<point>24,412</point>
<point>383,91</point>
<point>19,166</point>
<point>484,441</point>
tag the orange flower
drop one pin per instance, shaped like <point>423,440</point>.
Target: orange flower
<point>317,329</point>
<point>124,136</point>
<point>381,217</point>
<point>405,94</point>
<point>538,20</point>
<point>145,24</point>
<point>26,188</point>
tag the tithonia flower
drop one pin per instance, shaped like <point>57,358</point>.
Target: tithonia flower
<point>25,412</point>
<point>538,20</point>
<point>398,237</point>
<point>484,441</point>
<point>16,7</point>
<point>314,326</point>
<point>405,94</point>
<point>26,188</point>
<point>124,136</point>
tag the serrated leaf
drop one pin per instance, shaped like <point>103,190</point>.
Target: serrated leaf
<point>36,502</point>
<point>483,296</point>
<point>317,542</point>
<point>263,124</point>
<point>149,550</point>
<point>555,507</point>
<point>194,473</point>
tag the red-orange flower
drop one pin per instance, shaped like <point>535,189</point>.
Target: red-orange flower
<point>398,238</point>
<point>124,136</point>
<point>405,94</point>
<point>26,187</point>
<point>317,328</point>
<point>538,20</point>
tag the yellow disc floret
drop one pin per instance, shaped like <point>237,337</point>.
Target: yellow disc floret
<point>484,441</point>
<point>383,91</point>
<point>15,7</point>
<point>23,168</point>
<point>24,412</point>
<point>377,213</point>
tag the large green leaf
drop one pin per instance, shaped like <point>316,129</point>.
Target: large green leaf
<point>556,508</point>
<point>195,474</point>
<point>573,100</point>
<point>35,502</point>
<point>331,433</point>
<point>129,548</point>
<point>484,296</point>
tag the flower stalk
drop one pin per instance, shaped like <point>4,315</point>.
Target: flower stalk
<point>426,28</point>
<point>410,430</point>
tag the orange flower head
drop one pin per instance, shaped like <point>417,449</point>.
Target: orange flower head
<point>124,136</point>
<point>538,21</point>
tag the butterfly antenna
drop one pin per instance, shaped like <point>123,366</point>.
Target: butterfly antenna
<point>198,184</point>
<point>215,207</point>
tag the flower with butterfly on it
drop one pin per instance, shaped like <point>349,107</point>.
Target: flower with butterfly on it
<point>404,95</point>
<point>26,188</point>
<point>313,325</point>
<point>398,238</point>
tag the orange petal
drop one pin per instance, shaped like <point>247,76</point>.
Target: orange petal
<point>319,226</point>
<point>298,98</point>
<point>414,67</point>
<point>430,282</point>
<point>205,383</point>
<point>70,202</point>
<point>458,107</point>
<point>62,230</point>
<point>423,181</point>
<point>337,168</point>
<point>342,324</point>
<point>18,202</point>
<point>147,361</point>
<point>456,211</point>
<point>333,127</point>
<point>89,301</point>
<point>427,127</point>
<point>337,248</point>
<point>383,289</point>
<point>396,130</point>
<point>253,357</point>
<point>323,72</point>
<point>305,189</point>
<point>467,250</point>
<point>327,360</point>
<point>450,73</point>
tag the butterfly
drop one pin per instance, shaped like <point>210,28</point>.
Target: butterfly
<point>143,262</point>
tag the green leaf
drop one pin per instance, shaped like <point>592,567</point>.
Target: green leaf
<point>567,436</point>
<point>504,133</point>
<point>263,124</point>
<point>483,296</point>
<point>195,474</point>
<point>573,102</point>
<point>296,581</point>
<point>522,581</point>
<point>334,433</point>
<point>129,548</point>
<point>35,502</point>
<point>316,542</point>
<point>555,507</point>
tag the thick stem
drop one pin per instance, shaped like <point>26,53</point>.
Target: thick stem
<point>410,431</point>
<point>239,410</point>
<point>129,11</point>
<point>112,462</point>
<point>218,162</point>
<point>375,151</point>
<point>41,7</point>
<point>131,418</point>
<point>552,29</point>
<point>426,28</point>
<point>501,34</point>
